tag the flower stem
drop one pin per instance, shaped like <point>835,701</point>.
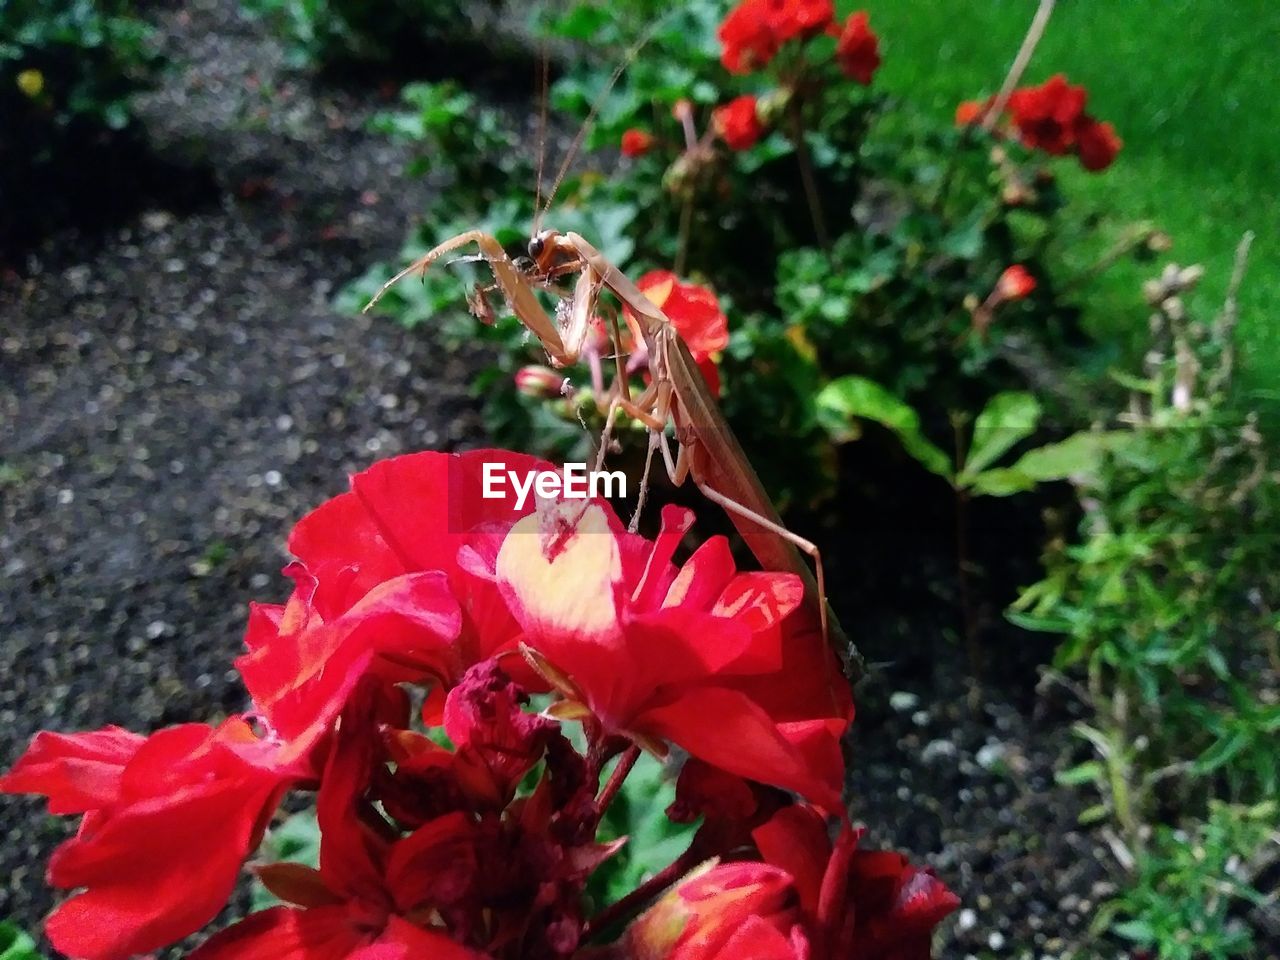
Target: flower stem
<point>806,173</point>
<point>630,904</point>
<point>625,763</point>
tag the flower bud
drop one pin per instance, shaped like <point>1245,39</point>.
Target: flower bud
<point>541,383</point>
<point>1014,284</point>
<point>720,911</point>
<point>636,143</point>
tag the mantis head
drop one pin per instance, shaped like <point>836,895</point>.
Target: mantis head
<point>543,247</point>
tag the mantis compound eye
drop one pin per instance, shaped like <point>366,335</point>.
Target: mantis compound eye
<point>535,248</point>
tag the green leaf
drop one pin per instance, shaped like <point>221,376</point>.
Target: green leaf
<point>16,944</point>
<point>1078,455</point>
<point>1005,420</point>
<point>653,841</point>
<point>1000,482</point>
<point>1095,814</point>
<point>849,397</point>
<point>1222,752</point>
<point>1089,772</point>
<point>295,840</point>
<point>1140,931</point>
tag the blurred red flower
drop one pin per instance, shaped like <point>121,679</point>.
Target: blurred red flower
<point>1051,118</point>
<point>748,36</point>
<point>1096,143</point>
<point>738,123</point>
<point>971,111</point>
<point>1014,283</point>
<point>1046,116</point>
<point>636,143</point>
<point>791,19</point>
<point>858,49</point>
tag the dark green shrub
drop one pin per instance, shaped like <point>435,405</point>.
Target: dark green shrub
<point>1167,610</point>
<point>336,31</point>
<point>67,72</point>
<point>853,237</point>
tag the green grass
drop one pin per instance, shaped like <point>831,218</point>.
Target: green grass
<point>1191,86</point>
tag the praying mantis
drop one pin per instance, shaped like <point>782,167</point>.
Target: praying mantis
<point>708,453</point>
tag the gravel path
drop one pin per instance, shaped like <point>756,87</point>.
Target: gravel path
<point>175,395</point>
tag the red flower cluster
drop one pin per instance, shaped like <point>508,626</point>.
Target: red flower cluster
<point>420,578</point>
<point>756,30</point>
<point>1052,118</point>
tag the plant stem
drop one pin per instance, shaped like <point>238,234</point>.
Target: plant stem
<point>969,619</point>
<point>625,763</point>
<point>633,901</point>
<point>806,173</point>
<point>686,225</point>
<point>1020,62</point>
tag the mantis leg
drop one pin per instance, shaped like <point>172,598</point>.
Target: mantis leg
<point>633,408</point>
<point>643,495</point>
<point>515,287</point>
<point>679,470</point>
<point>800,543</point>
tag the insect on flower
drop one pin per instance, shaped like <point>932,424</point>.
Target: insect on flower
<point>677,394</point>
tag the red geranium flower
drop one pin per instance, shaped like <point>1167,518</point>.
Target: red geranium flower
<point>1096,143</point>
<point>355,906</point>
<point>391,580</point>
<point>748,36</point>
<point>791,19</point>
<point>971,111</point>
<point>857,905</point>
<point>858,49</point>
<point>1051,118</point>
<point>695,311</point>
<point>738,123</point>
<point>754,30</point>
<point>168,821</point>
<point>1047,116</point>
<point>648,651</point>
<point>636,143</point>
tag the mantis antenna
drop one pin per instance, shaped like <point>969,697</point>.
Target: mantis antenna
<point>626,61</point>
<point>544,85</point>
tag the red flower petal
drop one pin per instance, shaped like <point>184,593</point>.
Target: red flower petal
<point>78,772</point>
